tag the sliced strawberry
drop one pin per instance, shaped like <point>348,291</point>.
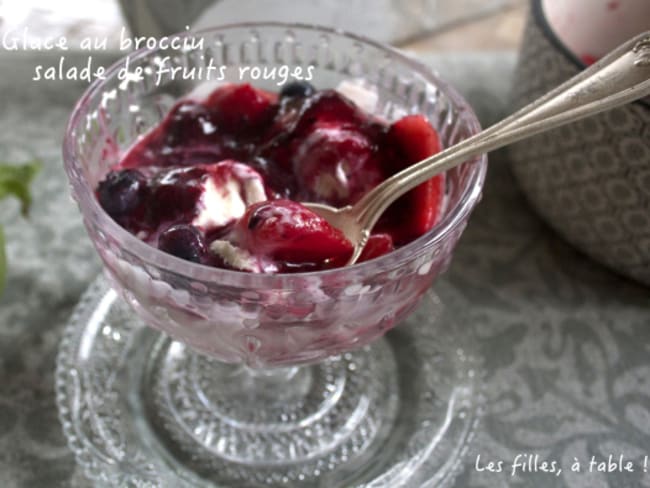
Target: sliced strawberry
<point>377,245</point>
<point>241,108</point>
<point>291,234</point>
<point>409,140</point>
<point>415,136</point>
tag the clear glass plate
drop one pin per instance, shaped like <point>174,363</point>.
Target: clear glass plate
<point>139,409</point>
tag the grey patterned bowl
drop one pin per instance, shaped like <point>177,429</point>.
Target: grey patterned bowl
<point>589,180</point>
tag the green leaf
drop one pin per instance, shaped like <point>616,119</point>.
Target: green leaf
<point>3,261</point>
<point>15,180</point>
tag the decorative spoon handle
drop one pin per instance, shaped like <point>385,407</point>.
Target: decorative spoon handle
<point>620,77</point>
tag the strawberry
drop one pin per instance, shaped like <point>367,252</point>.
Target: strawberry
<point>291,235</point>
<point>409,140</point>
<point>329,106</point>
<point>187,136</point>
<point>241,108</point>
<point>297,116</point>
<point>377,245</point>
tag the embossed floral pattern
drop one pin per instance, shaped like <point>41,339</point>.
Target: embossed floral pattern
<point>589,180</point>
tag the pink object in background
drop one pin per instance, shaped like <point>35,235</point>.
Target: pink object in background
<point>591,28</point>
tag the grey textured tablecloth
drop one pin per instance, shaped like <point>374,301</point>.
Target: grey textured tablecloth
<point>566,343</point>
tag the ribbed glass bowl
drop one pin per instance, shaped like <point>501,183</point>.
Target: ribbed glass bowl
<point>242,323</point>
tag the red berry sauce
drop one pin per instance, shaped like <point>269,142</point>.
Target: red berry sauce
<point>218,181</point>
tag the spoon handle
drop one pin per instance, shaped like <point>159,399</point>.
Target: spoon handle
<point>620,77</point>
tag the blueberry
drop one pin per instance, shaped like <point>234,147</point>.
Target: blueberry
<point>122,192</point>
<point>297,89</point>
<point>184,241</point>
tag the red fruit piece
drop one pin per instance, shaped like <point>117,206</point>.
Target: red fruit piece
<point>409,140</point>
<point>377,245</point>
<point>279,182</point>
<point>145,152</point>
<point>241,108</point>
<point>187,136</point>
<point>297,116</point>
<point>336,165</point>
<point>291,234</point>
<point>187,124</point>
<point>329,106</point>
<point>174,194</point>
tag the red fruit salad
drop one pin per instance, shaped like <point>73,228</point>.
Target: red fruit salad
<point>219,181</point>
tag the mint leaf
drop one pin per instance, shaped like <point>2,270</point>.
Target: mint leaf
<point>15,180</point>
<point>3,261</point>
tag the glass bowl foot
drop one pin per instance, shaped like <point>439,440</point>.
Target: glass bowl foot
<point>241,426</point>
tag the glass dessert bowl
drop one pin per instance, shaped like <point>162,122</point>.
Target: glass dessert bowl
<point>263,379</point>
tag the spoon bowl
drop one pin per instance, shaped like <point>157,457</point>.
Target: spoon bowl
<point>346,220</point>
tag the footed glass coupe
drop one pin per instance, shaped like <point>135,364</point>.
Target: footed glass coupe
<point>254,380</point>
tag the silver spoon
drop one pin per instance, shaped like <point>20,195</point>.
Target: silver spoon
<point>620,77</point>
